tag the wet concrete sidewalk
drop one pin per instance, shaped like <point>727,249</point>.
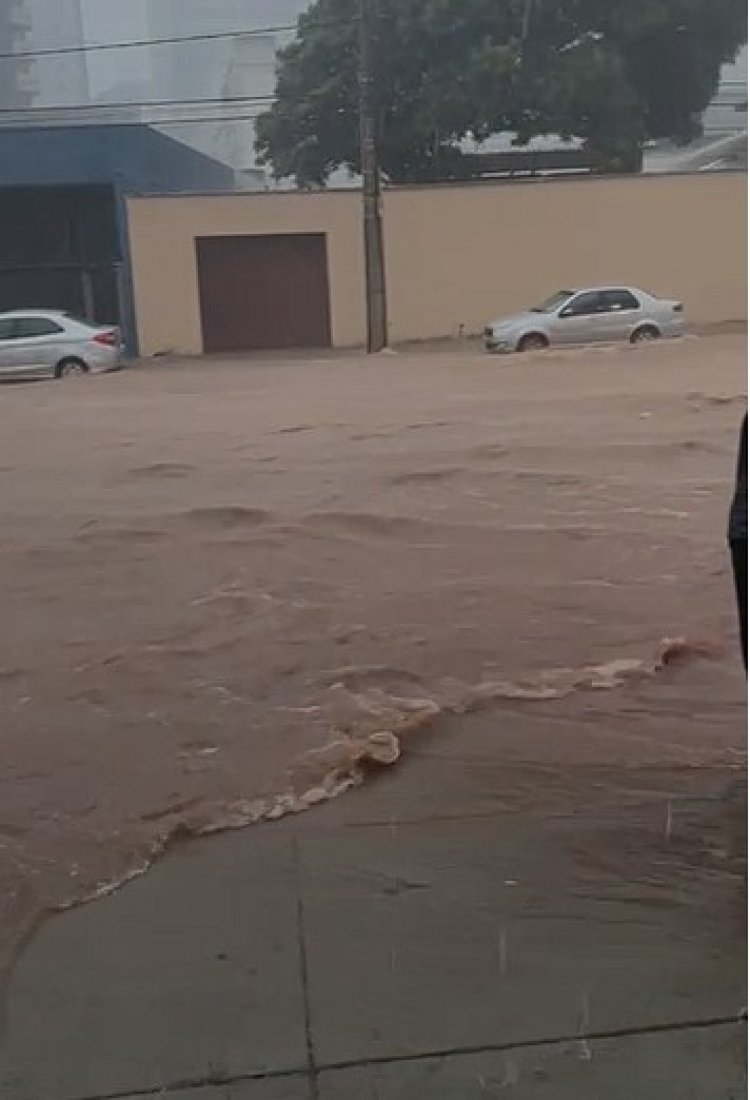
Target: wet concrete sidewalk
<point>469,925</point>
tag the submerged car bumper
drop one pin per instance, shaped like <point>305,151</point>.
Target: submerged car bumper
<point>498,342</point>
<point>673,328</point>
<point>103,359</point>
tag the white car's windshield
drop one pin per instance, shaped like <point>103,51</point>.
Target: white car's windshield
<point>554,302</point>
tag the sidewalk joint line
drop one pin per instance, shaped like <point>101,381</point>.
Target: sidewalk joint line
<point>572,1039</point>
<point>312,1070</point>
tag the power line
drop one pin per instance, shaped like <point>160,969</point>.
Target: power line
<point>218,101</point>
<point>174,121</point>
<point>175,40</point>
<point>187,121</point>
<point>143,43</point>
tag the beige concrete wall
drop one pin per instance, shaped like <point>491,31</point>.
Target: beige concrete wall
<point>459,256</point>
<point>165,275</point>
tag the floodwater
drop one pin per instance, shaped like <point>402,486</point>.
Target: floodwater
<point>230,588</point>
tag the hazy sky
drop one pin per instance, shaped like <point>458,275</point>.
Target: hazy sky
<point>114,20</point>
<point>110,20</point>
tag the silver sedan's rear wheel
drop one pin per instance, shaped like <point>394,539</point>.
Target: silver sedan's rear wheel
<point>645,335</point>
<point>71,368</point>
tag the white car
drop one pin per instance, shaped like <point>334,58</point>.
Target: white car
<point>595,315</point>
<point>48,342</point>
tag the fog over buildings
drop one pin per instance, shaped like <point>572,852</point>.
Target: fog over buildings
<point>162,82</point>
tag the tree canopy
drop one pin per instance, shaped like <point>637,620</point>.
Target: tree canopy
<point>613,73</point>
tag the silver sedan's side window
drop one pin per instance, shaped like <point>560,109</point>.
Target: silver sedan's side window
<point>7,329</point>
<point>584,304</point>
<point>617,300</point>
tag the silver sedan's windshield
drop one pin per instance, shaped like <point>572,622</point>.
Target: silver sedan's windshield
<point>554,302</point>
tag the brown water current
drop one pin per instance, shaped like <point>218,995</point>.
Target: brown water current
<point>232,590</point>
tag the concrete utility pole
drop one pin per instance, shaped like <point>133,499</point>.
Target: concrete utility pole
<point>377,314</point>
<point>528,12</point>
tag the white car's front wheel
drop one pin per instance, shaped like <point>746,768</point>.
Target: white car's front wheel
<point>534,341</point>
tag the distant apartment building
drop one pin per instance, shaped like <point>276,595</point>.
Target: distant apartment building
<point>61,79</point>
<point>39,78</point>
<point>17,88</point>
<point>230,72</point>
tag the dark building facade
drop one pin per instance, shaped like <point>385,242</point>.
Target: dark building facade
<point>60,249</point>
<point>63,239</point>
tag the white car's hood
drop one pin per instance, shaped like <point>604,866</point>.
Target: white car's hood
<point>518,320</point>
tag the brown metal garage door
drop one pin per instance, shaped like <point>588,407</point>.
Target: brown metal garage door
<point>264,292</point>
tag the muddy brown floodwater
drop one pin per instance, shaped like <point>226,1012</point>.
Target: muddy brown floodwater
<point>227,585</point>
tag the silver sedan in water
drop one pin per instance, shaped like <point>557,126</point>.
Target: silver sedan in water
<point>595,315</point>
<point>48,342</point>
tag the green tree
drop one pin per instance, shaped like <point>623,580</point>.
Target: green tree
<point>611,72</point>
